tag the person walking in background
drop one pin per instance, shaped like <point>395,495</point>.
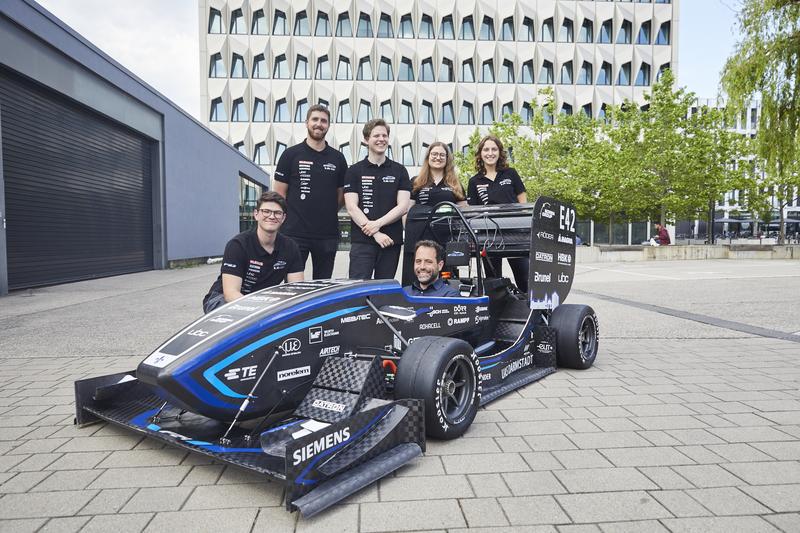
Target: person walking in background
<point>497,183</point>
<point>310,175</point>
<point>436,182</point>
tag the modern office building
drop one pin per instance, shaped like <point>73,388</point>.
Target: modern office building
<point>435,69</point>
<point>99,173</point>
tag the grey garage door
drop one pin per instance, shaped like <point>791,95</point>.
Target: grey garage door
<point>77,189</point>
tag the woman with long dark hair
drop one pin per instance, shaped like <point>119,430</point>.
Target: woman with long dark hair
<point>437,182</point>
<point>497,183</point>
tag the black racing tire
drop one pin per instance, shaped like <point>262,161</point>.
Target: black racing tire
<point>443,372</point>
<point>577,335</point>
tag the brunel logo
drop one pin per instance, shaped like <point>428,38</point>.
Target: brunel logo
<point>542,278</point>
<point>320,445</point>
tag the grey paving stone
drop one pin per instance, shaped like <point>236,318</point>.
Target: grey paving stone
<point>67,480</point>
<point>526,415</point>
<point>410,516</point>
<point>22,525</point>
<point>276,520</point>
<point>779,498</point>
<point>38,445</point>
<point>108,501</point>
<point>668,422</point>
<point>579,528</point>
<point>77,461</point>
<point>704,476</point>
<point>727,501</point>
<point>614,424</point>
<point>9,461</point>
<point>342,518</point>
<point>604,479</point>
<point>639,456</point>
<point>766,473</point>
<point>203,475</point>
<point>235,476</point>
<point>39,461</point>
<point>637,526</point>
<point>157,499</point>
<point>750,434</point>
<point>665,477</point>
<point>44,504</point>
<point>721,524</point>
<point>512,444</point>
<point>65,524</point>
<point>659,438</point>
<point>424,466</point>
<point>99,444</point>
<point>135,458</point>
<point>700,454</point>
<point>581,459</point>
<point>785,522</point>
<point>23,482</point>
<point>544,443</point>
<point>695,436</point>
<point>614,439</point>
<point>118,523</point>
<point>229,496</point>
<point>475,445</point>
<point>424,488</point>
<point>160,476</point>
<point>531,510</point>
<point>533,483</point>
<point>484,463</point>
<point>544,427</point>
<point>738,453</point>
<point>611,506</point>
<point>483,512</point>
<point>679,503</point>
<point>509,529</point>
<point>782,451</point>
<point>228,520</point>
<point>488,485</point>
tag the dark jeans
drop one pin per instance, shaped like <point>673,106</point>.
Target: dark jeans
<point>519,266</point>
<point>323,255</point>
<point>369,258</point>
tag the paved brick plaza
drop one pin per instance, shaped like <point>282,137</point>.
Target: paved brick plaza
<point>682,425</point>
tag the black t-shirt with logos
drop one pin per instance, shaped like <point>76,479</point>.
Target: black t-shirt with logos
<point>377,187</point>
<point>432,195</point>
<point>245,258</point>
<point>502,190</point>
<point>313,177</point>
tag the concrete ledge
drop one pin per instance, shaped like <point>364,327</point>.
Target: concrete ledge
<point>612,254</point>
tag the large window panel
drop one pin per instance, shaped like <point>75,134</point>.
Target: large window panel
<point>259,25</point>
<point>365,69</point>
<point>323,27</point>
<point>216,68</point>
<point>487,113</point>
<point>426,70</point>
<point>215,21</point>
<point>624,77</point>
<point>586,35</point>
<point>625,33</point>
<point>604,75</point>
<point>301,25</point>
<point>238,25</point>
<point>508,109</point>
<point>467,71</point>
<point>301,69</point>
<point>643,78</point>
<point>487,29</point>
<point>260,66</point>
<point>259,110</point>
<point>386,111</point>
<point>447,31</point>
<point>548,35</point>
<point>364,111</point>
<point>407,155</point>
<point>506,72</point>
<point>585,76</point>
<point>663,37</point>
<point>406,72</point>
<point>526,76</point>
<point>260,155</point>
<point>605,32</point>
<point>344,27</point>
<point>344,71</point>
<point>467,31</point>
<point>385,71</point>
<point>446,116</point>
<point>644,33</point>
<point>566,73</point>
<point>426,28</point>
<point>487,71</point>
<point>546,75</point>
<point>446,71</point>
<point>567,32</point>
<point>364,26</point>
<point>238,69</point>
<point>279,24</point>
<point>426,115</point>
<point>218,111</point>
<point>279,149</point>
<point>406,112</point>
<point>406,30</point>
<point>344,112</point>
<point>301,110</point>
<point>507,29</point>
<point>385,29</point>
<point>527,30</point>
<point>323,71</point>
<point>281,111</point>
<point>467,113</point>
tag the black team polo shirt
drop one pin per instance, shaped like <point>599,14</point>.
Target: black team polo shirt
<point>245,258</point>
<point>503,190</point>
<point>434,194</point>
<point>313,178</point>
<point>377,187</point>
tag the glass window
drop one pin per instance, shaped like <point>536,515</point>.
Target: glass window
<point>344,71</point>
<point>216,68</point>
<point>281,112</point>
<point>259,25</point>
<point>344,113</point>
<point>467,113</point>
<point>385,72</point>
<point>446,116</point>
<point>547,31</point>
<point>301,110</point>
<point>237,22</point>
<point>605,32</point>
<point>547,116</point>
<point>566,33</point>
<point>566,109</point>
<point>343,26</point>
<point>364,26</point>
<point>447,31</point>
<point>323,27</point>
<point>365,69</point>
<point>385,26</point>
<point>238,70</point>
<point>406,112</point>
<point>364,111</point>
<point>507,72</point>
<point>508,109</point>
<point>259,66</point>
<point>643,78</point>
<point>587,110</point>
<point>446,70</point>
<point>215,21</point>
<point>467,29</point>
<point>586,35</point>
<point>426,113</point>
<point>301,26</point>
<point>301,70</point>
<point>426,72</point>
<point>507,29</point>
<point>546,74</point>
<point>661,70</point>
<point>322,101</point>
<point>406,30</point>
<point>279,26</point>
<point>279,149</point>
<point>347,153</point>
<point>624,77</point>
<point>487,29</point>
<point>604,76</point>
<point>218,111</point>
<point>407,155</point>
<point>527,72</point>
<point>625,31</point>
<point>527,29</point>
<point>260,155</point>
<point>467,71</point>
<point>426,28</point>
<point>585,76</point>
<point>527,112</point>
<point>363,151</point>
<point>406,72</point>
<point>644,33</point>
<point>487,113</point>
<point>663,1</point>
<point>566,73</point>
<point>323,71</point>
<point>663,33</point>
<point>259,110</point>
<point>487,71</point>
<point>386,111</point>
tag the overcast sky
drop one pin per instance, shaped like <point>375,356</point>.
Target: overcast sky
<point>158,41</point>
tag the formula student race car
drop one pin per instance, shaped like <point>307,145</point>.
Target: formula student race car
<point>329,385</point>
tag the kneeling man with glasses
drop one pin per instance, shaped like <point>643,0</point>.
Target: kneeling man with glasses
<point>257,258</point>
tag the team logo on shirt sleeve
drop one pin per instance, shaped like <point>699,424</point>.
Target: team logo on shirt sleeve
<point>279,265</point>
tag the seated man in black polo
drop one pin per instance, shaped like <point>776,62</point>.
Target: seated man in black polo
<point>428,262</point>
<point>257,258</point>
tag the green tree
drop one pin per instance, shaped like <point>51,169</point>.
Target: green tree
<point>766,65</point>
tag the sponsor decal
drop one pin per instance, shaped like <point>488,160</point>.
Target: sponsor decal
<point>430,325</point>
<point>290,346</point>
<point>505,182</point>
<point>545,235</point>
<point>197,333</point>
<point>563,278</point>
<point>456,253</point>
<point>283,293</point>
<point>320,445</point>
<point>354,318</point>
<point>245,373</point>
<point>293,373</point>
<point>460,309</point>
<point>329,406</point>
<point>230,265</point>
<point>542,278</point>
<point>564,259</point>
<point>222,319</point>
<point>279,265</point>
<point>486,376</point>
<point>329,166</point>
<point>480,318</point>
<point>516,365</point>
<point>329,350</point>
<point>160,360</point>
<point>315,335</point>
<point>566,218</point>
<point>544,257</point>
<point>435,312</point>
<point>481,308</point>
<point>565,239</point>
<point>457,321</point>
<point>261,298</point>
<point>544,347</point>
<point>258,263</point>
<point>330,333</point>
<point>237,307</point>
<point>546,212</point>
<point>389,179</point>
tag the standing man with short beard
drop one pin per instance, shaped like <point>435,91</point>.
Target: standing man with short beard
<point>310,175</point>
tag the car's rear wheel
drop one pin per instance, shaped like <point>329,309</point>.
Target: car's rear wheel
<point>577,335</point>
<point>444,373</point>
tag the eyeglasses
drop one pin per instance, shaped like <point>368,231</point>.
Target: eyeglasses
<point>437,155</point>
<point>269,213</point>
